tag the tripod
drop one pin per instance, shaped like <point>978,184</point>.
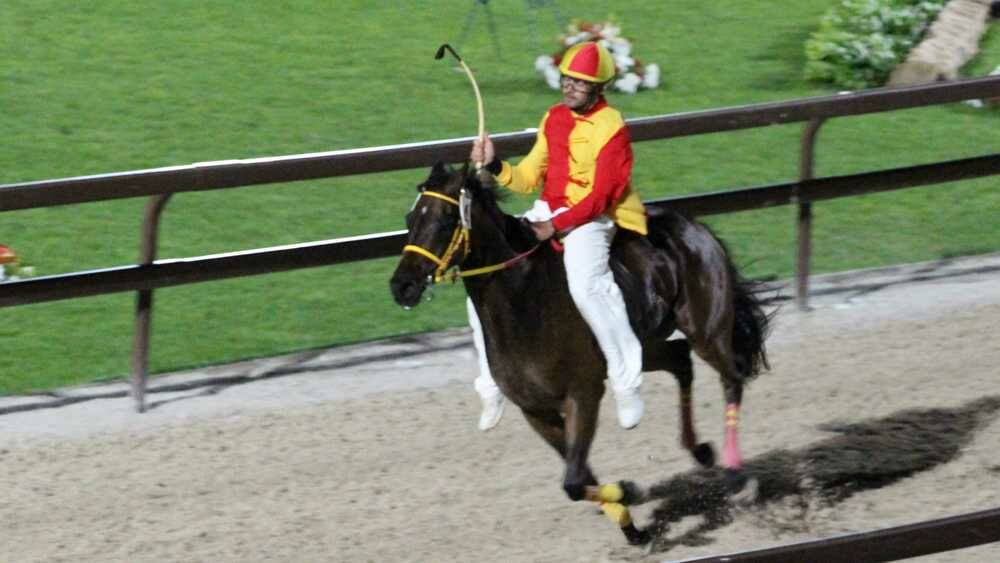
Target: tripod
<point>533,6</point>
<point>536,6</point>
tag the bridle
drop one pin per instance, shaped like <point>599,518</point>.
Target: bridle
<point>460,238</point>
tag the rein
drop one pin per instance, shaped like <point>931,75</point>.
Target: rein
<point>460,238</point>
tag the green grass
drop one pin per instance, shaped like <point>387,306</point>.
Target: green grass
<point>122,86</point>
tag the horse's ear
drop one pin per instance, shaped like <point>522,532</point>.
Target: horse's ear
<point>471,180</point>
<point>439,175</point>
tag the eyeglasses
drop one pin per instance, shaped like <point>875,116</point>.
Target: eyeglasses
<point>575,84</point>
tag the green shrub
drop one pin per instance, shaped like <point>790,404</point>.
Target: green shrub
<point>859,42</point>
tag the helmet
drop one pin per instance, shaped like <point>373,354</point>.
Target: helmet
<point>588,61</point>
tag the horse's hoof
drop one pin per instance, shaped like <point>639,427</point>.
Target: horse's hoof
<point>704,454</point>
<point>742,488</point>
<point>635,536</point>
<point>632,493</point>
<point>748,495</point>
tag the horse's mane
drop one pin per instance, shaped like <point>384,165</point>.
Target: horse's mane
<point>488,192</point>
<point>488,195</point>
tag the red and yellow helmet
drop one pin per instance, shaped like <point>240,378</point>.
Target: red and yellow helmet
<point>588,61</point>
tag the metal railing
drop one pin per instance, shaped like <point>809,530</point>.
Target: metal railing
<point>160,183</point>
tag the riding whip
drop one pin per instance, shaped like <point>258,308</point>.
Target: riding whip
<point>475,88</point>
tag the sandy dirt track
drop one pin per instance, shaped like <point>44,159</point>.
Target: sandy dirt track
<point>370,453</point>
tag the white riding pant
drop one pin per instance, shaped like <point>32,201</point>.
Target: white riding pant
<point>597,296</point>
<point>484,383</point>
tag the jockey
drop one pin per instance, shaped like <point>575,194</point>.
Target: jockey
<point>582,160</point>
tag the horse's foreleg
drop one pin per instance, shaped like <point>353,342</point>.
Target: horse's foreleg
<point>579,483</point>
<point>614,499</point>
<point>580,425</point>
<point>549,425</point>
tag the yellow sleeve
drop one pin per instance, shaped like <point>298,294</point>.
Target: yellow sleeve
<point>526,176</point>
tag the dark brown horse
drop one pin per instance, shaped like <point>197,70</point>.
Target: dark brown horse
<point>543,355</point>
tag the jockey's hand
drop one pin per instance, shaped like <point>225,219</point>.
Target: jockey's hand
<point>482,150</point>
<point>543,230</point>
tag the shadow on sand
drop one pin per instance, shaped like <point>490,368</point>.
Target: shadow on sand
<point>862,456</point>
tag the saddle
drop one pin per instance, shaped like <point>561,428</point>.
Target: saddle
<point>646,269</point>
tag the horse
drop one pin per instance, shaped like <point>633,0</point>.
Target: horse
<point>542,354</point>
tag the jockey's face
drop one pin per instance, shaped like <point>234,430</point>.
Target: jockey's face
<point>579,95</point>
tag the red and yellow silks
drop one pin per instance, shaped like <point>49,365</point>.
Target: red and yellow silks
<point>584,163</point>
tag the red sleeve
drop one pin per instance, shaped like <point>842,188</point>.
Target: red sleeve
<point>611,178</point>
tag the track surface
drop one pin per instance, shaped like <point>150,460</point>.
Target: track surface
<point>879,411</point>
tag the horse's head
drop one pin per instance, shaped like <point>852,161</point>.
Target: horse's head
<point>438,234</point>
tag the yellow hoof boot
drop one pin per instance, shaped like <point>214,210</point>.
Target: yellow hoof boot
<point>617,513</point>
<point>612,492</point>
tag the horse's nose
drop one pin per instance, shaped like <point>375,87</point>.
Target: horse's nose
<point>406,290</point>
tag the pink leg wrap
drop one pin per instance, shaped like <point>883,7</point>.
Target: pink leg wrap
<point>731,457</point>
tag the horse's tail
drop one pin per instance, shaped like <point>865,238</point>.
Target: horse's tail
<point>669,230</point>
<point>751,325</point>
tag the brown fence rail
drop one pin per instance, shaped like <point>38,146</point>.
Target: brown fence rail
<point>173,272</point>
<point>251,172</point>
<point>889,544</point>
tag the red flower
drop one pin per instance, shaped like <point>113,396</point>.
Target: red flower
<point>7,255</point>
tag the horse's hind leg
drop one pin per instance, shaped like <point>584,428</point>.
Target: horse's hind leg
<point>719,354</point>
<point>675,356</point>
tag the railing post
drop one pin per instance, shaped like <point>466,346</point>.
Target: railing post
<point>144,301</point>
<point>804,254</point>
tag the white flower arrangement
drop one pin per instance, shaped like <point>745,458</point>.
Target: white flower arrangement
<point>632,75</point>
